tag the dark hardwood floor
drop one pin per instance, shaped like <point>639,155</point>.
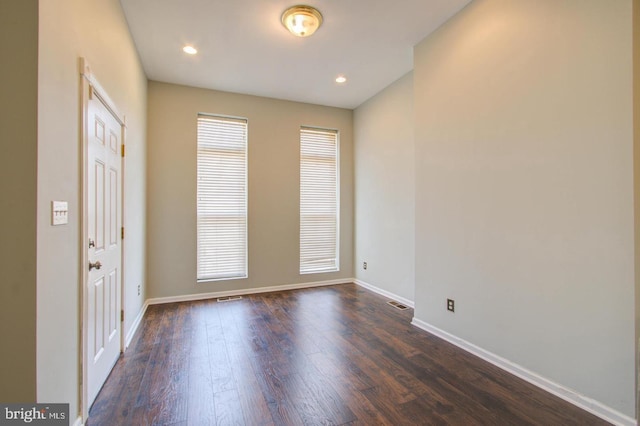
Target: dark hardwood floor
<point>335,355</point>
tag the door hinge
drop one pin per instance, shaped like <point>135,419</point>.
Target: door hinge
<point>122,149</point>
<point>122,315</point>
<point>122,233</point>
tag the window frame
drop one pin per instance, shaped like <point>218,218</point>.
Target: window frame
<point>336,261</point>
<point>245,269</point>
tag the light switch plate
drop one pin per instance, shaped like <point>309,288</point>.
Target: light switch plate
<point>59,213</point>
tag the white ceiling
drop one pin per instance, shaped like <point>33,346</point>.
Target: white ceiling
<point>244,48</point>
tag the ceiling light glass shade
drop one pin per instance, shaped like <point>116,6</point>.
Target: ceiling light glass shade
<point>302,21</point>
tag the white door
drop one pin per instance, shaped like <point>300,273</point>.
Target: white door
<point>104,209</point>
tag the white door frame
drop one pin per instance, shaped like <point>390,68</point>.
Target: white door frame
<point>89,87</point>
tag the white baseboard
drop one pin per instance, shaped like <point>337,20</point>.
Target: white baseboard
<point>575,398</point>
<point>78,421</point>
<point>135,325</point>
<point>384,293</point>
<point>256,290</point>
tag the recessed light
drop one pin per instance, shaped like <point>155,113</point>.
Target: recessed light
<point>190,50</point>
<point>341,79</point>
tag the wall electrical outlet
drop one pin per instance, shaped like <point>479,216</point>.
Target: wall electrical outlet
<point>451,305</point>
<point>364,265</point>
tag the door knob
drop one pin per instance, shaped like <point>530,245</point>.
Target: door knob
<point>91,243</point>
<point>96,265</point>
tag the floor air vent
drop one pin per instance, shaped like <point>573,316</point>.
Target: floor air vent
<point>397,305</point>
<point>229,298</point>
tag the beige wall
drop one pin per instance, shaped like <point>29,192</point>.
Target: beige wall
<point>96,30</point>
<point>524,188</point>
<point>636,180</point>
<point>18,138</point>
<point>385,189</point>
<point>273,173</point>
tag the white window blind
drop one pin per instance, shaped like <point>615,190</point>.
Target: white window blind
<point>222,198</point>
<point>319,223</point>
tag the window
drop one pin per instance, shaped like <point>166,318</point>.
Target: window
<point>319,224</point>
<point>222,198</point>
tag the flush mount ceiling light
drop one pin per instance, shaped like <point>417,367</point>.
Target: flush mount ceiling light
<point>302,21</point>
<point>341,79</point>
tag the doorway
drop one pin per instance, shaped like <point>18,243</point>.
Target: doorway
<point>102,138</point>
